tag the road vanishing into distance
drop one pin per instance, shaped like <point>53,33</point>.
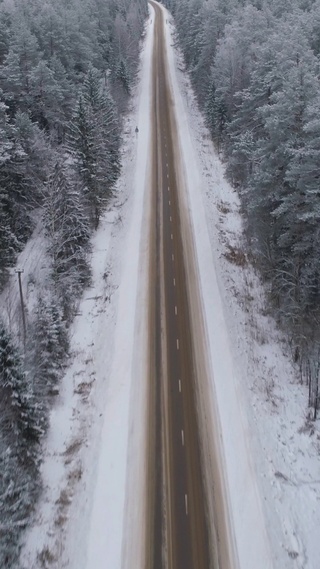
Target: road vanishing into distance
<point>179,535</point>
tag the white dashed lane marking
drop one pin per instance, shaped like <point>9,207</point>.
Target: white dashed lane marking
<point>186,503</point>
<point>182,437</point>
<point>177,344</point>
<point>180,385</point>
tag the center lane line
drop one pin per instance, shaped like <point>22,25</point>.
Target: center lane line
<point>182,437</point>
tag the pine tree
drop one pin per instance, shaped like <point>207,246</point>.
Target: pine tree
<point>4,40</point>
<point>50,346</point>
<point>68,228</point>
<point>62,112</point>
<point>292,84</point>
<point>8,241</point>
<point>216,115</point>
<point>11,80</point>
<point>81,144</point>
<point>19,490</point>
<point>122,74</point>
<point>21,427</point>
<point>46,96</point>
<point>37,155</point>
<point>23,56</point>
<point>94,143</point>
<point>18,396</point>
<point>110,132</point>
<point>13,181</point>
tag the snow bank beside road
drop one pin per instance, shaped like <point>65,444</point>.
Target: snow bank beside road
<point>122,455</point>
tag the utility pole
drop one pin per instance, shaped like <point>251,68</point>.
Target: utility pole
<point>19,271</point>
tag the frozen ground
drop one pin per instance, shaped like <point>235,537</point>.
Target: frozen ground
<point>84,520</point>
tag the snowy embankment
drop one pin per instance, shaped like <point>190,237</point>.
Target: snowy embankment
<point>94,451</point>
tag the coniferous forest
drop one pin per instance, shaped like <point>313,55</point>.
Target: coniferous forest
<point>66,73</point>
<point>67,69</point>
<point>254,66</point>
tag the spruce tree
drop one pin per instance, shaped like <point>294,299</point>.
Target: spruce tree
<point>20,416</point>
<point>8,241</point>
<point>21,426</point>
<point>94,143</point>
<point>67,226</point>
<point>50,345</point>
<point>216,115</point>
<point>122,74</point>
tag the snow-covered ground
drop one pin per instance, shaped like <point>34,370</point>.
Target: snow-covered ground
<point>90,513</point>
<point>34,263</point>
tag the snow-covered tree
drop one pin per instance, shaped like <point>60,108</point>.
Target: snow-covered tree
<point>255,69</point>
<point>216,115</point>
<point>122,74</point>
<point>67,226</point>
<point>21,426</point>
<point>94,143</point>
<point>17,394</point>
<point>8,242</point>
<point>49,346</point>
<point>19,490</point>
<point>23,56</point>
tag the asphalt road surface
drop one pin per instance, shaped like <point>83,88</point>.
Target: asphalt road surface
<point>178,529</point>
<point>178,532</point>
